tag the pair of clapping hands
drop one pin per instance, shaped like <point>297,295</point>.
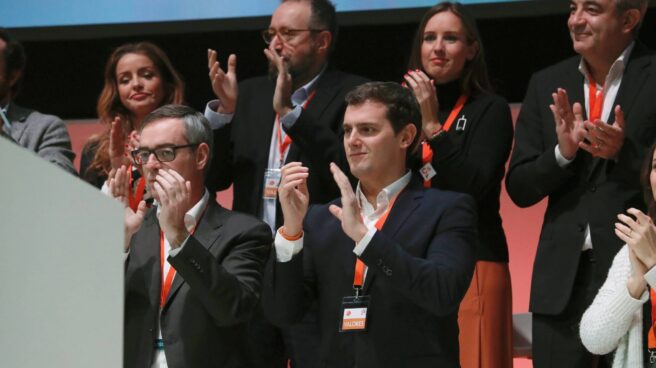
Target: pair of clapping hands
<point>596,137</point>
<point>294,201</point>
<point>637,230</point>
<point>173,194</point>
<point>225,86</point>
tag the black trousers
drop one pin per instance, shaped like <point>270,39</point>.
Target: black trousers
<point>556,341</point>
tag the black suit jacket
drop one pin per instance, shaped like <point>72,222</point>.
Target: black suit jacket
<point>212,296</point>
<point>473,159</point>
<point>241,149</point>
<point>419,268</point>
<point>588,190</point>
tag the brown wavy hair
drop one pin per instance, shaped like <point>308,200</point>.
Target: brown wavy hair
<point>110,105</point>
<point>474,76</point>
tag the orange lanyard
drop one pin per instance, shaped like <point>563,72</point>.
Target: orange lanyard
<point>358,277</point>
<point>596,102</point>
<point>651,337</point>
<point>283,145</point>
<point>167,280</point>
<point>426,150</point>
<point>137,197</point>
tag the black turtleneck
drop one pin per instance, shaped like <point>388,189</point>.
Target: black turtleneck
<point>471,158</point>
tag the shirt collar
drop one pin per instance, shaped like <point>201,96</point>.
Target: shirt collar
<point>192,216</point>
<point>383,198</point>
<point>616,69</point>
<point>301,95</point>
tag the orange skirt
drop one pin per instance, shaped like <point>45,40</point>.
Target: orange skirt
<point>485,318</point>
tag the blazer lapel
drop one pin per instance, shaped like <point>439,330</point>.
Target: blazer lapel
<point>17,116</point>
<point>406,203</point>
<point>635,76</point>
<point>207,233</point>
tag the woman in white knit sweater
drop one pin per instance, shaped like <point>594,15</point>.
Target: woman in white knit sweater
<point>614,321</point>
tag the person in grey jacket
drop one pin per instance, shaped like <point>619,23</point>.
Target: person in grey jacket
<point>46,135</point>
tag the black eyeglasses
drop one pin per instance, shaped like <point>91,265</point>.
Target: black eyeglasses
<point>163,154</point>
<point>285,34</point>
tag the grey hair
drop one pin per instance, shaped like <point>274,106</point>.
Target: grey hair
<point>197,128</point>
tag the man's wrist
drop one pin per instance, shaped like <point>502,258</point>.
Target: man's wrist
<point>177,238</point>
<point>290,236</point>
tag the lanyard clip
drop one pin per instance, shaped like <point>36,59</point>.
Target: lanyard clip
<point>357,291</point>
<point>652,356</point>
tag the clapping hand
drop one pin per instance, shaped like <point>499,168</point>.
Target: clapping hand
<point>224,84</point>
<point>119,188</point>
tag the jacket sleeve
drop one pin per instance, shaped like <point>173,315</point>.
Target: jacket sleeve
<point>55,145</point>
<point>229,288</point>
<point>534,173</point>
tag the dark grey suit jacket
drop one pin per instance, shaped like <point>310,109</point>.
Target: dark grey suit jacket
<point>44,134</point>
<point>213,294</point>
<point>588,190</point>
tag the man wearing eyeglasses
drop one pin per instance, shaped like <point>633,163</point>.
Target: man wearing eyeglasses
<point>193,269</point>
<point>295,114</point>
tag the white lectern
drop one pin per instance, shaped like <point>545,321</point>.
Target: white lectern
<point>61,267</point>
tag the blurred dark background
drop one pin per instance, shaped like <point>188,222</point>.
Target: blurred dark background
<point>65,65</point>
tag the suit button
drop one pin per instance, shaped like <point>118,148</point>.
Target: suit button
<point>388,272</point>
<point>379,262</point>
<point>593,188</point>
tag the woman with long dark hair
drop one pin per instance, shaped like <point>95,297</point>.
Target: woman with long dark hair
<point>468,135</point>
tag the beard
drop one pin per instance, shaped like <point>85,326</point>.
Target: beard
<point>299,70</point>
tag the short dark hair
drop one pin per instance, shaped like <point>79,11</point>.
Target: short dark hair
<point>474,76</point>
<point>323,16</point>
<point>624,5</point>
<point>401,104</point>
<point>197,127</point>
<point>15,58</point>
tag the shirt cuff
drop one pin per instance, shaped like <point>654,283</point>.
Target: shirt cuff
<point>650,277</point>
<point>286,249</point>
<point>560,159</point>
<point>174,252</point>
<point>361,246</point>
<point>105,189</point>
<point>217,120</point>
<point>291,117</point>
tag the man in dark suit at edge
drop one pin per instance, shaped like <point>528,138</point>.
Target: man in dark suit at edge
<point>391,257</point>
<point>585,158</point>
<point>295,114</point>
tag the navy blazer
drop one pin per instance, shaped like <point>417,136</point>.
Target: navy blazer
<point>419,268</point>
<point>213,293</point>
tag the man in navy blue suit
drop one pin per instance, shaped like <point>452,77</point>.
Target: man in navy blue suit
<point>389,262</point>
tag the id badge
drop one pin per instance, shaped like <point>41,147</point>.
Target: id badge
<point>427,171</point>
<point>271,183</point>
<point>354,313</point>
